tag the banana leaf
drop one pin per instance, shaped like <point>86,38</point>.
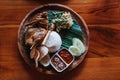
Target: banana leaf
<point>68,34</point>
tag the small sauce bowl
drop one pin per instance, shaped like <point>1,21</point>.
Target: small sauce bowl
<point>62,60</point>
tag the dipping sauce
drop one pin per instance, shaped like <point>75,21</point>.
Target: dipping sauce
<point>58,63</point>
<point>61,60</point>
<point>66,55</point>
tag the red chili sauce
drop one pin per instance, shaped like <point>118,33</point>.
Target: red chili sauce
<point>66,55</point>
<point>58,63</point>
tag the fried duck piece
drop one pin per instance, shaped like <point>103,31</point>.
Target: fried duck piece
<point>34,34</point>
<point>38,52</point>
<point>40,19</point>
<point>34,37</point>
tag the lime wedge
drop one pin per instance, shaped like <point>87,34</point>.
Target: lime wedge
<point>78,43</point>
<point>75,51</point>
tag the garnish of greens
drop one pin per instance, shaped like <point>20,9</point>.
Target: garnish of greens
<point>60,19</point>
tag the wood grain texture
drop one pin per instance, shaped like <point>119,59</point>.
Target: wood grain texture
<point>103,59</point>
<point>105,12</point>
<point>93,68</point>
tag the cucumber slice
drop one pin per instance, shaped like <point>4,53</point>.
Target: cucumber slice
<point>78,43</point>
<point>75,51</point>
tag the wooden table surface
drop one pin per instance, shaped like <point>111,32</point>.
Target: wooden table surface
<point>103,58</point>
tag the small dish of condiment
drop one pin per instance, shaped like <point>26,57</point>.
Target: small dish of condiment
<point>61,60</point>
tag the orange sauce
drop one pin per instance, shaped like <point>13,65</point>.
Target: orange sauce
<point>66,55</point>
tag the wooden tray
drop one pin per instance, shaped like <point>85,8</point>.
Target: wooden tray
<point>47,7</point>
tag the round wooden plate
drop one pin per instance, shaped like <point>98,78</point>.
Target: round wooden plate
<point>47,7</point>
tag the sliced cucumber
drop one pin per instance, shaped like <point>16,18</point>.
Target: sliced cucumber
<point>75,51</point>
<point>78,43</point>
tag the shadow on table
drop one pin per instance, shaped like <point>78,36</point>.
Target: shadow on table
<point>51,1</point>
<point>47,1</point>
